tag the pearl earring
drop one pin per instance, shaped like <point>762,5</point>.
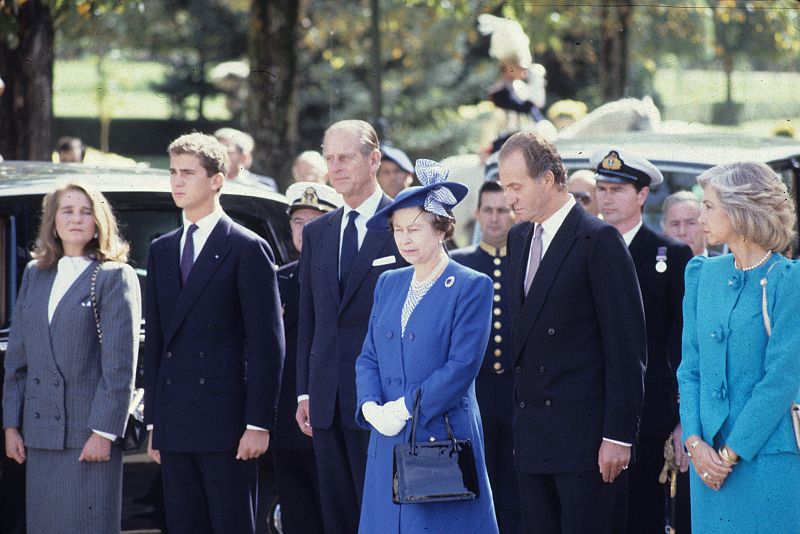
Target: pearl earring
<point>95,235</point>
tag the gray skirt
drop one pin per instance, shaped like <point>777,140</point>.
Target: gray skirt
<point>65,496</point>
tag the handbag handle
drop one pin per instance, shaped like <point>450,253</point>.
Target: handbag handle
<point>93,294</point>
<point>415,418</point>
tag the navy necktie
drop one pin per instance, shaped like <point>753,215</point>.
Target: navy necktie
<point>187,257</point>
<point>349,249</point>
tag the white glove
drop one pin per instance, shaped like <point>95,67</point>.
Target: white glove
<point>398,409</point>
<point>382,419</point>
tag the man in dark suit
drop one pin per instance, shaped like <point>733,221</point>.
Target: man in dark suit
<point>214,351</point>
<point>339,266</point>
<point>623,184</point>
<point>679,220</point>
<point>494,386</point>
<point>295,467</point>
<point>579,347</point>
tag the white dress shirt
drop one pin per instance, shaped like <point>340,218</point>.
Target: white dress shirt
<point>69,269</point>
<point>630,234</point>
<point>549,229</point>
<point>365,212</point>
<point>205,225</point>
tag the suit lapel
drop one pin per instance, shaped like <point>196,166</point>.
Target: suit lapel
<point>522,243</point>
<point>548,269</point>
<point>640,245</point>
<point>330,254</point>
<point>207,263</point>
<point>370,248</point>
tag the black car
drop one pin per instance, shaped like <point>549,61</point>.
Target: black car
<point>142,202</point>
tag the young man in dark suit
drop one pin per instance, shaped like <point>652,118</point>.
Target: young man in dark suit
<point>494,386</point>
<point>339,266</point>
<point>214,351</point>
<point>579,347</point>
<point>623,184</point>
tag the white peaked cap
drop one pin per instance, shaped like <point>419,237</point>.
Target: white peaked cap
<point>509,44</point>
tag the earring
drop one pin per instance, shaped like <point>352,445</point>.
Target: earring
<point>95,235</point>
<point>55,233</point>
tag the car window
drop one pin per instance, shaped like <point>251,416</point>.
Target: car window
<point>140,227</point>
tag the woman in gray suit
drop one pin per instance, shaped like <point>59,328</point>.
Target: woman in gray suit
<point>70,364</point>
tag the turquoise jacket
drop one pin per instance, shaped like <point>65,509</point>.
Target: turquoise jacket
<point>736,382</point>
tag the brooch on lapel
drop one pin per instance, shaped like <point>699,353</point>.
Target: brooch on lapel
<point>661,260</point>
<point>449,281</point>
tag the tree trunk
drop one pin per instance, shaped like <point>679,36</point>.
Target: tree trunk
<point>272,117</point>
<point>727,67</point>
<point>616,19</point>
<point>377,70</point>
<point>26,108</point>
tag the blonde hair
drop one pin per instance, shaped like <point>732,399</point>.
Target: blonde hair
<point>107,246</point>
<point>756,200</point>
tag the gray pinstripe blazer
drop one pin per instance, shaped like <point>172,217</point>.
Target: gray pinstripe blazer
<point>60,382</point>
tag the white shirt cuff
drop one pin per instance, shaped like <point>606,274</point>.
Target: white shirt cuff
<point>301,398</point>
<point>149,428</point>
<point>618,442</point>
<point>254,427</point>
<point>106,435</point>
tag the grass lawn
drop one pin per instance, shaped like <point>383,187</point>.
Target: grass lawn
<point>75,84</point>
<point>688,94</point>
<point>769,98</point>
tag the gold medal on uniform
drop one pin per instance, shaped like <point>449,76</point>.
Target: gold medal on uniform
<point>661,260</point>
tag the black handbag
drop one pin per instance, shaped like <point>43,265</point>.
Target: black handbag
<point>134,436</point>
<point>433,471</point>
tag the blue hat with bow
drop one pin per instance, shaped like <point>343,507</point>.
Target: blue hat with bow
<point>436,195</point>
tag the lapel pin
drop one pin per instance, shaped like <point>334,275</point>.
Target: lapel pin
<point>661,260</point>
<point>449,281</point>
<point>216,256</point>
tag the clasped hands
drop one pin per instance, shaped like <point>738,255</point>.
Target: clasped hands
<point>389,419</point>
<point>708,464</point>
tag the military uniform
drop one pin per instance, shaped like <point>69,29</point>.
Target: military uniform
<point>660,263</point>
<point>494,386</point>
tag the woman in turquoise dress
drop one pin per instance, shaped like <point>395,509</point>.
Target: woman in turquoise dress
<point>428,332</point>
<point>740,371</point>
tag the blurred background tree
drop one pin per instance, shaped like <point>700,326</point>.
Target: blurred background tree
<point>312,62</point>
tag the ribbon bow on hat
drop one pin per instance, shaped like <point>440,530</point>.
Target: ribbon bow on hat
<point>431,173</point>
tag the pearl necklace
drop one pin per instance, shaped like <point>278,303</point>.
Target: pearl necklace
<point>759,263</point>
<point>437,271</point>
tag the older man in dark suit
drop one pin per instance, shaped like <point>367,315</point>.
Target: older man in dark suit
<point>623,184</point>
<point>214,351</point>
<point>292,451</point>
<point>579,347</point>
<point>339,266</point>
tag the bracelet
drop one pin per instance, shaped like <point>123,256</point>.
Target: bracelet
<point>725,454</point>
<point>693,445</point>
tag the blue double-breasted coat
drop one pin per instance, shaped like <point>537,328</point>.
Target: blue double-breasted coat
<point>440,354</point>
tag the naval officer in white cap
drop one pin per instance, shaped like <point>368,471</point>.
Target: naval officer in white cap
<point>623,182</point>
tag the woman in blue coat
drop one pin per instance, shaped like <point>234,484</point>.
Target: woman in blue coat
<point>740,370</point>
<point>428,331</point>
